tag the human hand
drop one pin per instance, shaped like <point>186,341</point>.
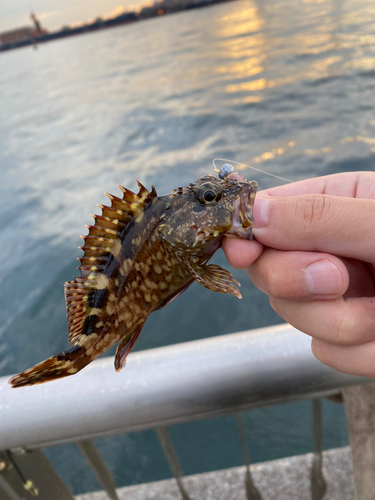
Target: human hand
<point>314,256</point>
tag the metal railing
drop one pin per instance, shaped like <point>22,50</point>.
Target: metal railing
<point>160,387</point>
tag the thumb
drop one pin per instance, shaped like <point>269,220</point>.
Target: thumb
<point>317,222</point>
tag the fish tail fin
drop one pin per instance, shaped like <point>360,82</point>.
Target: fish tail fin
<point>60,365</point>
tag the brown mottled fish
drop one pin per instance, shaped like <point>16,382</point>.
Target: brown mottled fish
<point>142,253</point>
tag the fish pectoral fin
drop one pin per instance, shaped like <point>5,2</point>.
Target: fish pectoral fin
<point>214,278</point>
<point>124,347</point>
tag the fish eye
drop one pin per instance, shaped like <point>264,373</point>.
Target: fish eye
<point>208,193</point>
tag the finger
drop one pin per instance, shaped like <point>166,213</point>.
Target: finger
<point>315,222</point>
<point>338,321</point>
<point>348,184</point>
<point>299,275</point>
<point>241,253</point>
<point>356,360</point>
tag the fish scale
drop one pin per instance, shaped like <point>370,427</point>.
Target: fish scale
<point>141,253</point>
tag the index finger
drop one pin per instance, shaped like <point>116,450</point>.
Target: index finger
<point>336,225</point>
<point>348,184</point>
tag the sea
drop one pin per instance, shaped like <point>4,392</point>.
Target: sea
<point>286,86</point>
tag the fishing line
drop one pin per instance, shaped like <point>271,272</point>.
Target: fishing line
<point>247,166</point>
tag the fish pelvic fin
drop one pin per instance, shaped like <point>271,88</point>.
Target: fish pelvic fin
<point>61,365</point>
<point>214,278</point>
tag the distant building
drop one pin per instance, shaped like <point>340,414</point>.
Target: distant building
<point>16,35</point>
<point>19,35</point>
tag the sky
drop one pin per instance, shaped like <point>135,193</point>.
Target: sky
<point>55,13</point>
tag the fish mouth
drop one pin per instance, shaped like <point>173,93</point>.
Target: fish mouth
<point>243,218</point>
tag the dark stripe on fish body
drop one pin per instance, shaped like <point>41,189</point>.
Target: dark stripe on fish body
<point>129,250</point>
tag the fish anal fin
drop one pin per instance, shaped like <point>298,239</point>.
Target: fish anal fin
<point>214,278</point>
<point>124,347</point>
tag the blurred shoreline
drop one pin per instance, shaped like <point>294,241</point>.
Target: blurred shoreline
<point>23,37</point>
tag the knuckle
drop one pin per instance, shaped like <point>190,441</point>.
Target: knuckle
<point>347,330</point>
<point>275,283</point>
<point>312,209</point>
<point>341,330</point>
<point>356,326</point>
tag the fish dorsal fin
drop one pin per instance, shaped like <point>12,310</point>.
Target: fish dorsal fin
<point>102,241</point>
<point>103,235</point>
<point>78,300</point>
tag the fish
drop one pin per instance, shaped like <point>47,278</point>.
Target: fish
<point>140,254</point>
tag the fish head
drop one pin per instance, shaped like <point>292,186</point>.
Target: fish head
<point>202,213</point>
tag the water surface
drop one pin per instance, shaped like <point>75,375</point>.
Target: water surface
<point>286,86</point>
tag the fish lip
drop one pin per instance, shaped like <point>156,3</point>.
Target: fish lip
<point>243,218</point>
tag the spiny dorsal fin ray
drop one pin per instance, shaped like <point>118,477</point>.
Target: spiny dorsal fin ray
<point>102,236</point>
<point>101,241</point>
<point>78,305</point>
<point>129,196</point>
<point>87,270</point>
<point>105,232</point>
<point>108,222</point>
<point>114,214</point>
<point>86,261</point>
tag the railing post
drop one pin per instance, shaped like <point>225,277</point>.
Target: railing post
<point>360,413</point>
<point>318,482</point>
<point>172,459</point>
<point>251,490</point>
<point>97,464</point>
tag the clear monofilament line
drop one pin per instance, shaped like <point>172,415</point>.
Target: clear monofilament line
<point>248,166</point>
